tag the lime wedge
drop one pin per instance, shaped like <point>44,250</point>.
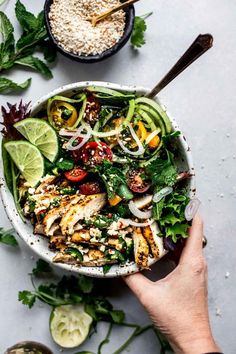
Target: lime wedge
<point>28,159</point>
<point>40,134</point>
<point>70,325</point>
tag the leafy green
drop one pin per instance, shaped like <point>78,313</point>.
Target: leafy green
<point>27,298</point>
<point>7,238</point>
<point>34,36</point>
<point>112,176</point>
<point>74,252</point>
<point>162,171</point>
<point>74,290</point>
<point>106,268</point>
<point>35,63</point>
<point>65,164</point>
<point>7,86</point>
<point>41,267</point>
<point>169,213</point>
<point>139,29</point>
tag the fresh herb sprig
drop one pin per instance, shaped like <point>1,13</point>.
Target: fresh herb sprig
<point>139,29</point>
<point>74,290</point>
<point>20,52</point>
<point>7,238</point>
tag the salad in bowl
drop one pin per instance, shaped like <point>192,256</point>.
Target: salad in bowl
<point>101,178</point>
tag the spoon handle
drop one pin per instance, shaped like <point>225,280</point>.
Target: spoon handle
<point>201,44</point>
<point>102,16</point>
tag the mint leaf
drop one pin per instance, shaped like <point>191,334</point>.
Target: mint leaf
<point>7,47</point>
<point>7,238</point>
<point>49,52</point>
<point>7,86</point>
<point>27,298</point>
<point>26,19</point>
<point>35,63</point>
<point>6,27</point>
<point>30,39</point>
<point>41,267</point>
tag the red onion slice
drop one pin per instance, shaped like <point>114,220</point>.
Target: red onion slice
<point>162,193</point>
<point>191,209</point>
<point>138,213</point>
<point>79,134</point>
<point>140,150</point>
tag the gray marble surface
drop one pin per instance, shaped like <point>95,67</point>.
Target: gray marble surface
<point>203,102</point>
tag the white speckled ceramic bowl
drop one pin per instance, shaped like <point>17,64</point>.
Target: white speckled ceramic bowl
<point>39,244</point>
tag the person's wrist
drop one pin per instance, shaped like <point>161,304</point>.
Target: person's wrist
<point>199,341</point>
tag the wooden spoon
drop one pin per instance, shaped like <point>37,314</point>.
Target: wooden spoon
<point>201,44</point>
<point>96,19</point>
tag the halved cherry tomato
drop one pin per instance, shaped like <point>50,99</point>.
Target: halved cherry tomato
<point>76,175</point>
<point>136,182</point>
<point>94,153</point>
<point>90,188</point>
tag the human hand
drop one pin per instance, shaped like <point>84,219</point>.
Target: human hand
<point>178,303</point>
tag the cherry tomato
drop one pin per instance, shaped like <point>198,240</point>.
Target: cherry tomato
<point>76,154</point>
<point>94,153</point>
<point>92,110</point>
<point>136,182</point>
<point>90,188</point>
<point>76,175</point>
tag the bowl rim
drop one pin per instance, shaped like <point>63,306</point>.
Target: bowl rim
<point>130,12</point>
<point>18,224</point>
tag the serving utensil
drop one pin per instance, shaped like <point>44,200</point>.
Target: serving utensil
<point>96,19</point>
<point>201,44</point>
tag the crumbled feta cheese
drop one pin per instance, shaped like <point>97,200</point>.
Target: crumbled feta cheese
<point>95,232</point>
<point>31,190</point>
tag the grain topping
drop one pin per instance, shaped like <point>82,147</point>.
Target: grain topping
<point>75,33</point>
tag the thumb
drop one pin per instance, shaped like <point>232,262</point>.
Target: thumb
<point>138,283</point>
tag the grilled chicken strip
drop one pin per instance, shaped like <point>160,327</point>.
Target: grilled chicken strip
<point>155,242</point>
<point>57,242</point>
<point>83,236</point>
<point>56,213</point>
<point>94,258</point>
<point>89,205</point>
<point>47,180</point>
<point>141,249</point>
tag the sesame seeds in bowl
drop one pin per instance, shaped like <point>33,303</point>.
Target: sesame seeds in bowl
<point>71,31</point>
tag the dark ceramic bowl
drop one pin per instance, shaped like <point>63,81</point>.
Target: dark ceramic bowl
<point>129,23</point>
<point>31,347</point>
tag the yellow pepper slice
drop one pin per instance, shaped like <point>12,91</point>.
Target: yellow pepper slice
<point>64,114</point>
<point>154,143</point>
<point>115,200</point>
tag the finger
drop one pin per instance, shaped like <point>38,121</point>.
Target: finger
<point>193,246</point>
<point>138,283</point>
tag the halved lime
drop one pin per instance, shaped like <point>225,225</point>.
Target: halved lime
<point>40,134</point>
<point>70,325</point>
<point>28,159</point>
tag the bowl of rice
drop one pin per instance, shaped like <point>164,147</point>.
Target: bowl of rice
<point>70,29</point>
